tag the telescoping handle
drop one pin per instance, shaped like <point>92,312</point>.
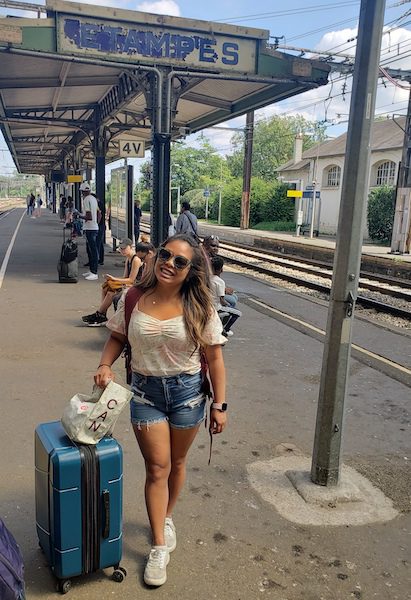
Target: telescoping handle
<point>106,516</point>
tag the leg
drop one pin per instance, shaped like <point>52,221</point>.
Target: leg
<point>154,442</point>
<point>106,303</point>
<point>181,440</point>
<point>92,245</point>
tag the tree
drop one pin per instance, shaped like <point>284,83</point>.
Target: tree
<point>381,209</point>
<point>273,144</point>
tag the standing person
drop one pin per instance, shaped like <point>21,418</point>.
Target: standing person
<point>137,219</point>
<point>32,206</point>
<point>91,218</point>
<point>28,199</point>
<point>39,203</point>
<point>186,221</point>
<point>171,323</point>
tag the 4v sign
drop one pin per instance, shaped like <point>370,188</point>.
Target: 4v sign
<point>132,149</point>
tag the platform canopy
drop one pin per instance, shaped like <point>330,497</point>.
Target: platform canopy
<point>85,71</point>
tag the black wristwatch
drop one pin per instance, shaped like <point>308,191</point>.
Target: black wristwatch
<point>221,407</point>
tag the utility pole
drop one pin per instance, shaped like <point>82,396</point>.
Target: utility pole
<point>325,468</point>
<point>248,156</point>
<point>401,230</point>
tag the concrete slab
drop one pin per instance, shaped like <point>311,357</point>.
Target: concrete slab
<point>285,483</point>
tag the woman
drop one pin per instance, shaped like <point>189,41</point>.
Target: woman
<point>173,321</point>
<point>112,284</point>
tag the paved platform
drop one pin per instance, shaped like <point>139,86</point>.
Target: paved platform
<point>233,544</point>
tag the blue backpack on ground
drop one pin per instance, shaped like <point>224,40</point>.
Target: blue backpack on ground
<point>11,567</point>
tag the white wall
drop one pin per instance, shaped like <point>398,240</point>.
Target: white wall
<point>331,196</point>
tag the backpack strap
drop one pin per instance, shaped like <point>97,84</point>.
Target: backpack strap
<point>132,297</point>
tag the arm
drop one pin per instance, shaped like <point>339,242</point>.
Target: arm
<point>214,354</point>
<point>111,351</point>
<point>133,273</point>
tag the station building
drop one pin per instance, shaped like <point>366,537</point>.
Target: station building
<point>324,164</point>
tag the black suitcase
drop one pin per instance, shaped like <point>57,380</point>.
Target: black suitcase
<point>67,266</point>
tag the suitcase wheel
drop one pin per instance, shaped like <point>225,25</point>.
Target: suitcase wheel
<point>63,586</point>
<point>119,574</point>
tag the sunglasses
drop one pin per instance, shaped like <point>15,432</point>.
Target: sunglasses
<point>179,262</point>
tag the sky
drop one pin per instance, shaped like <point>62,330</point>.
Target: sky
<point>316,25</point>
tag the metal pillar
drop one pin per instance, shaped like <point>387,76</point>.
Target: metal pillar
<point>402,218</point>
<point>325,469</point>
<point>130,203</point>
<point>161,175</point>
<point>160,94</point>
<point>248,156</point>
<point>100,143</point>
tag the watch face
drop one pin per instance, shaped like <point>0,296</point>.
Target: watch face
<point>224,406</point>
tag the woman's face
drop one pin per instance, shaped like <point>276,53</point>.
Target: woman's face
<point>165,270</point>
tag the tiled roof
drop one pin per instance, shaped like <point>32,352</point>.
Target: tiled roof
<point>386,135</point>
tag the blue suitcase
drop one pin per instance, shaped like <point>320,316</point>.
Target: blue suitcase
<point>78,504</point>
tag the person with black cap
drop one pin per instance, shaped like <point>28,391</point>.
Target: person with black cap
<point>91,218</point>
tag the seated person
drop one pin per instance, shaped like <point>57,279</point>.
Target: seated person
<point>211,245</point>
<point>228,314</point>
<point>145,250</point>
<point>113,285</point>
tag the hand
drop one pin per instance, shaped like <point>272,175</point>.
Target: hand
<point>107,276</point>
<point>229,290</point>
<point>103,376</point>
<point>218,420</point>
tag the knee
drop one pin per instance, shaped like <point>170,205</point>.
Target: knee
<point>178,465</point>
<point>157,472</point>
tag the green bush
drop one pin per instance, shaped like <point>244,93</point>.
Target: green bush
<point>261,191</point>
<point>145,200</point>
<point>197,202</point>
<point>275,226</point>
<point>381,209</point>
<point>278,207</point>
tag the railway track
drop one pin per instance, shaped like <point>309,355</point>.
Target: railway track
<point>363,301</point>
<point>303,272</point>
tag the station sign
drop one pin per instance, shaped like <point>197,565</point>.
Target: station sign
<point>294,194</point>
<point>160,44</point>
<point>132,148</point>
<point>74,178</point>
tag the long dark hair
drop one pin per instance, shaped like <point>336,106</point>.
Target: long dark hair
<point>195,291</point>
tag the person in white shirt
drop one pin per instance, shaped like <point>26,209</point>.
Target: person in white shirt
<point>171,324</point>
<point>91,218</point>
<point>227,313</point>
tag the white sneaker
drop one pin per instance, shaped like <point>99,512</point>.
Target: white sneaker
<point>155,572</point>
<point>86,273</point>
<point>170,534</point>
<point>92,277</point>
<point>229,333</point>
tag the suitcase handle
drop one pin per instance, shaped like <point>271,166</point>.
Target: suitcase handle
<point>106,507</point>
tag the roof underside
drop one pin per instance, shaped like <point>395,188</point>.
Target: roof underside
<point>50,103</point>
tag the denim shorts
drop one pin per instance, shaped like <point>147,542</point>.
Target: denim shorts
<point>177,399</point>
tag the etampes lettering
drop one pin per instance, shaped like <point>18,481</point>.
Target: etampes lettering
<point>123,40</point>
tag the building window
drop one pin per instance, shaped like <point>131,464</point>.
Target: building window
<point>386,173</point>
<point>333,176</point>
